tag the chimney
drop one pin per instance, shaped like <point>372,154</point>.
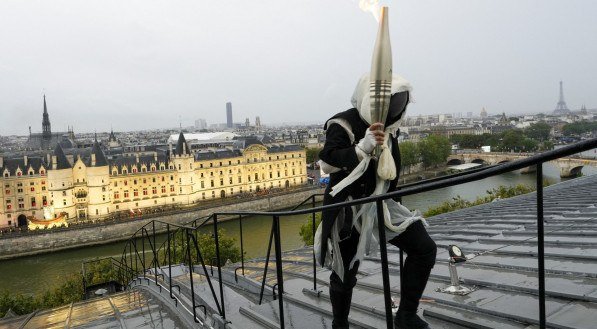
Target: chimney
<point>49,159</point>
<point>137,157</point>
<point>93,159</point>
<point>1,162</point>
<point>54,162</point>
<point>155,156</point>
<point>25,160</point>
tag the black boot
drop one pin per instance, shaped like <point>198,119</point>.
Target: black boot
<point>409,320</point>
<point>340,308</point>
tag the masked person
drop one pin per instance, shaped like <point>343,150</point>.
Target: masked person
<point>345,235</point>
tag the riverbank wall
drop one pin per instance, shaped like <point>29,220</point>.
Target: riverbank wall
<point>27,245</point>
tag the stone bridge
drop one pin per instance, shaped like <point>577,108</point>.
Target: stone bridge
<point>569,166</point>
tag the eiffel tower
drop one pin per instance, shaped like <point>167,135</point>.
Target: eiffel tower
<point>561,108</point>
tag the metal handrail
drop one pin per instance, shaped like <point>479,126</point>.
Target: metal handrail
<point>408,189</point>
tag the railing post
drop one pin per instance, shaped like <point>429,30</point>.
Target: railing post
<point>269,248</point>
<point>143,251</point>
<point>401,255</point>
<point>219,266</point>
<point>540,245</point>
<point>384,264</point>
<point>313,249</point>
<point>155,255</point>
<point>169,261</point>
<point>242,250</point>
<point>279,274</point>
<point>191,278</point>
<point>136,257</point>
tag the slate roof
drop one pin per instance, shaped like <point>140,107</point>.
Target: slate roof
<point>217,154</point>
<point>61,160</point>
<point>100,157</point>
<point>181,145</point>
<point>33,162</point>
<point>283,148</point>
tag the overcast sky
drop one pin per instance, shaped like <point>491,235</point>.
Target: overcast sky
<point>143,64</point>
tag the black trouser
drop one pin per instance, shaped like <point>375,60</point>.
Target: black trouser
<point>420,250</point>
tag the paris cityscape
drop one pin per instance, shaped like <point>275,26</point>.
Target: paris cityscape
<point>121,207</point>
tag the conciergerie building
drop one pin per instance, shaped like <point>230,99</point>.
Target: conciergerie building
<point>69,184</point>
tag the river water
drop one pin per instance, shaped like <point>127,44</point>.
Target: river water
<point>36,273</point>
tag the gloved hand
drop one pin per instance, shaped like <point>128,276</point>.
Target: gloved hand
<point>373,136</point>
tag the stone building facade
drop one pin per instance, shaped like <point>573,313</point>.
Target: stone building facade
<point>86,185</point>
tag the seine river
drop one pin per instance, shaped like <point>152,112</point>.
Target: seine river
<point>36,273</point>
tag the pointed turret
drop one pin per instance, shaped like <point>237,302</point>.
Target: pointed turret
<point>100,157</point>
<point>46,128</point>
<point>181,146</point>
<point>60,160</point>
<point>112,138</point>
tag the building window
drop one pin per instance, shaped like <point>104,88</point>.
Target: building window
<point>202,184</point>
<point>163,189</point>
<point>135,192</point>
<point>221,181</point>
<point>126,194</point>
<point>144,191</point>
<point>256,176</point>
<point>116,195</point>
<point>171,188</point>
<point>212,183</point>
<point>154,190</point>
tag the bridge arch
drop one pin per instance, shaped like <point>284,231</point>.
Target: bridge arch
<point>576,171</point>
<point>478,161</point>
<point>454,162</point>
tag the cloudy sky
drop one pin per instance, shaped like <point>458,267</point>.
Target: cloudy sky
<point>144,64</point>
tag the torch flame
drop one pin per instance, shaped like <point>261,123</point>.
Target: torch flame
<point>371,6</point>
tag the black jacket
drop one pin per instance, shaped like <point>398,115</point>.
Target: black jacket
<point>339,152</point>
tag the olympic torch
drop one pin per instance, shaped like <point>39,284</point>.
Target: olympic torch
<point>381,73</point>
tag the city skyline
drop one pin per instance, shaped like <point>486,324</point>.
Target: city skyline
<point>134,67</point>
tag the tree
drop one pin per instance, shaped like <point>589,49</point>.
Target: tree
<point>578,128</point>
<point>409,154</point>
<point>312,154</point>
<point>207,247</point>
<point>434,150</point>
<point>539,131</point>
<point>306,231</point>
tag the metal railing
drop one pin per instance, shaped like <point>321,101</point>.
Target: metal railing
<point>136,267</point>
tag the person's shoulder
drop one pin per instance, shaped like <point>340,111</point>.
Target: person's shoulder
<point>349,115</point>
